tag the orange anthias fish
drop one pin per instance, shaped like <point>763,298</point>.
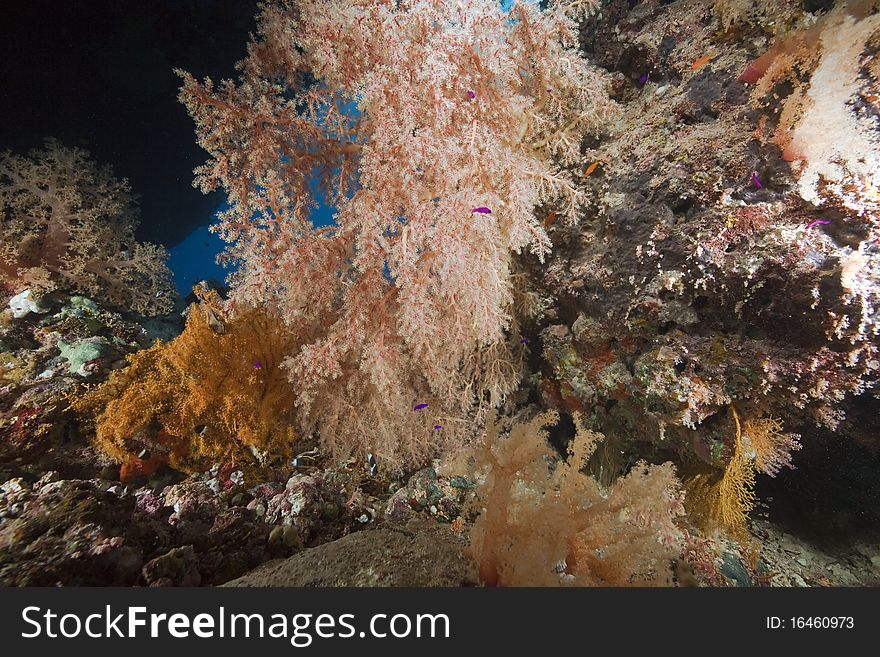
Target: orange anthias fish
<point>700,62</point>
<point>590,169</point>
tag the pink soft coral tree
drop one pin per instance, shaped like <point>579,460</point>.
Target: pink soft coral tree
<point>468,117</point>
<point>67,223</point>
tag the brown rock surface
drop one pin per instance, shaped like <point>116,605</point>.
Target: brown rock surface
<point>381,557</point>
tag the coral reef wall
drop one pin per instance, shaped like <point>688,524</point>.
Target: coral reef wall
<point>728,257</point>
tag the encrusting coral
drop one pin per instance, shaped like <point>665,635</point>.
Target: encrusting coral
<point>214,394</point>
<point>66,223</point>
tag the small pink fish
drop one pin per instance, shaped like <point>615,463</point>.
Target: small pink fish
<point>756,181</point>
<point>471,94</point>
<point>481,210</point>
<point>419,407</point>
<point>818,222</point>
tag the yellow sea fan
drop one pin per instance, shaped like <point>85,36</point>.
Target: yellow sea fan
<point>729,501</point>
<point>772,447</point>
<point>216,393</point>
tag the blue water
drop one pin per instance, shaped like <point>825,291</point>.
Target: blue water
<point>194,259</point>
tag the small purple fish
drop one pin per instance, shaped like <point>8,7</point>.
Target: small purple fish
<point>471,94</point>
<point>482,210</point>
<point>438,426</point>
<point>523,340</point>
<point>643,79</point>
<point>419,407</point>
<point>756,181</point>
<point>818,222</point>
<point>258,366</point>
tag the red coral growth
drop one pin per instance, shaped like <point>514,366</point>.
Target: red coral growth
<point>550,396</point>
<point>756,69</point>
<point>169,447</point>
<point>23,435</point>
<point>559,396</point>
<point>789,47</point>
<point>136,467</point>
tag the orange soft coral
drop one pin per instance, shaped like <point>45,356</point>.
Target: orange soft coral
<point>216,393</point>
<point>543,524</point>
